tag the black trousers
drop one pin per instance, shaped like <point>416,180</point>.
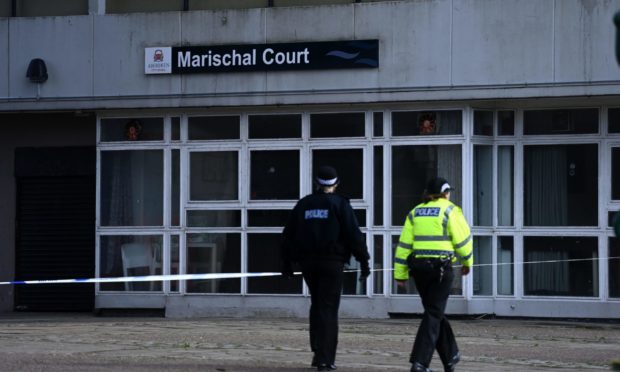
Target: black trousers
<point>324,280</point>
<point>435,331</point>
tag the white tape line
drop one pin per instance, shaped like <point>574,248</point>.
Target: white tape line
<point>147,278</point>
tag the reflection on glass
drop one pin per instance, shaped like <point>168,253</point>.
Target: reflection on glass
<point>349,164</point>
<point>615,173</point>
<point>613,118</point>
<point>378,186</point>
<point>274,175</point>
<point>483,185</point>
<point>174,262</point>
<point>132,129</point>
<point>130,255</point>
<point>614,267</point>
<point>413,166</point>
<point>506,123</point>
<point>175,188</point>
<point>214,175</point>
<point>377,124</point>
<point>264,257</point>
<point>560,266</point>
<point>562,176</point>
<point>483,271</point>
<point>132,187</point>
<point>505,182</point>
<point>213,127</point>
<point>274,126</point>
<point>214,218</point>
<point>422,123</point>
<point>564,121</point>
<point>210,254</point>
<point>268,217</point>
<point>505,265</point>
<point>175,123</point>
<point>483,123</point>
<point>337,125</point>
<point>377,265</point>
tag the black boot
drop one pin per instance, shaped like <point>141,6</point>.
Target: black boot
<point>419,367</point>
<point>450,366</point>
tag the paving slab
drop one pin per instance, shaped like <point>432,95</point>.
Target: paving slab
<point>45,342</point>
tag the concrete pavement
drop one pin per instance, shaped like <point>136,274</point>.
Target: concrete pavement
<point>83,342</point>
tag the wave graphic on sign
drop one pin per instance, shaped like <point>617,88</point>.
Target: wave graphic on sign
<point>343,55</point>
<point>367,61</point>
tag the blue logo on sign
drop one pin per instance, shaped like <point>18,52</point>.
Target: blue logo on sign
<point>427,212</point>
<point>317,213</point>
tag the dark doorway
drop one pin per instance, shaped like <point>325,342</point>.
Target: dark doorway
<point>55,222</point>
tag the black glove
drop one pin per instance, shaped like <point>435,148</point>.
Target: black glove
<point>365,273</point>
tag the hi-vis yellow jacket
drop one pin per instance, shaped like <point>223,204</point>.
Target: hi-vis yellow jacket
<point>434,229</point>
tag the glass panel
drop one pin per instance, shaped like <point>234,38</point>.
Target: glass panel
<point>574,121</point>
<point>214,218</point>
<point>377,266</point>
<point>415,123</point>
<point>46,8</point>
<point>132,129</point>
<point>615,173</point>
<point>264,256</point>
<point>274,175</point>
<point>613,117</point>
<point>213,127</point>
<point>226,4</point>
<point>506,123</point>
<point>349,163</point>
<point>274,126</point>
<point>611,218</point>
<point>560,266</point>
<point>505,265</point>
<point>214,253</point>
<point>130,255</point>
<point>123,6</point>
<point>267,217</point>
<point>360,215</point>
<point>174,261</point>
<point>483,185</point>
<point>378,186</point>
<point>483,123</point>
<point>505,185</point>
<point>214,175</point>
<point>377,124</point>
<point>483,270</point>
<point>175,129</point>
<point>132,188</point>
<point>614,267</point>
<point>561,185</point>
<point>350,283</point>
<point>337,125</point>
<point>175,189</point>
<point>413,166</point>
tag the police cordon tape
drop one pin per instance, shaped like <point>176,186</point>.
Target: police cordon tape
<point>159,278</point>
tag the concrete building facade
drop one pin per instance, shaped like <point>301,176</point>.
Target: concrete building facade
<point>193,170</point>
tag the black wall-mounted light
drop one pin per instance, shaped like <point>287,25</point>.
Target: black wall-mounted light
<point>37,71</point>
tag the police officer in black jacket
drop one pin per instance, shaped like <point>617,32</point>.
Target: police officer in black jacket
<point>320,235</point>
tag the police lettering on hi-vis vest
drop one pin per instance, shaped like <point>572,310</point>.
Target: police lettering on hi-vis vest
<point>434,235</point>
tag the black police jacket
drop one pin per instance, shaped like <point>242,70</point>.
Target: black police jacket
<point>323,227</point>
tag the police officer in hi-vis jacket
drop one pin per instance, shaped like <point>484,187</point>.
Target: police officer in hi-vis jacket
<point>320,235</point>
<point>434,235</point>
